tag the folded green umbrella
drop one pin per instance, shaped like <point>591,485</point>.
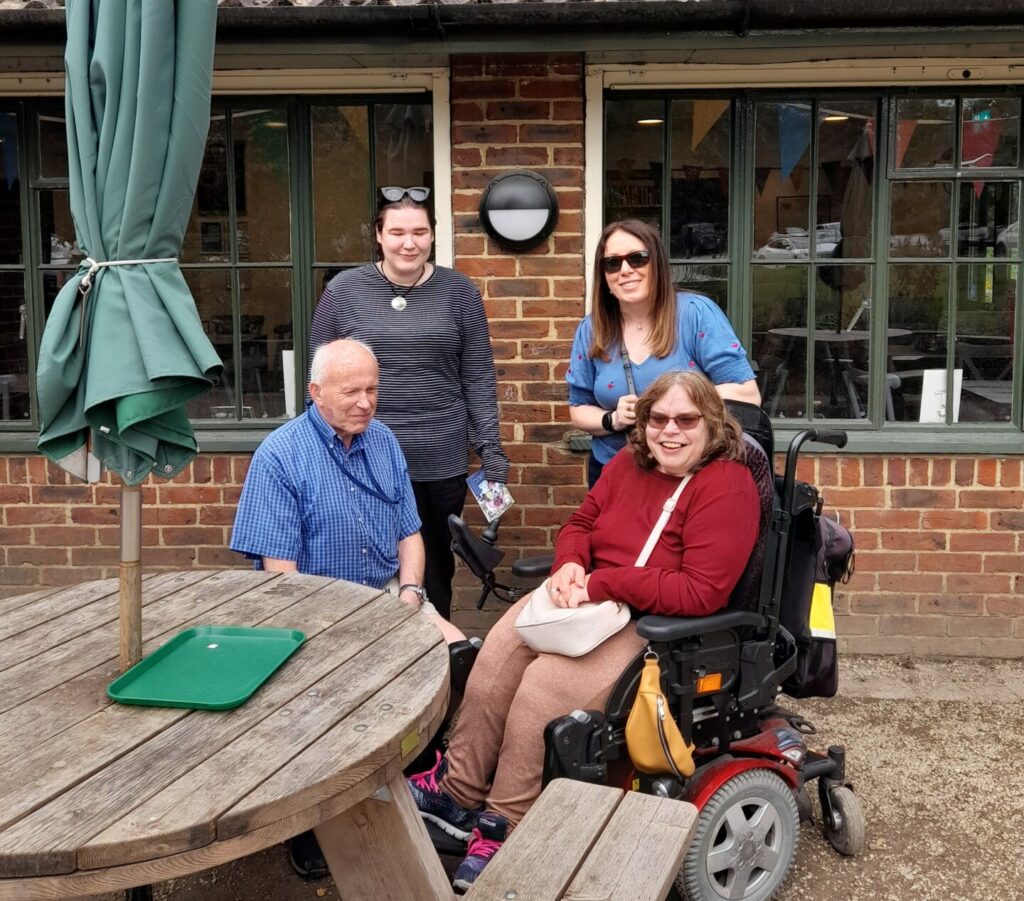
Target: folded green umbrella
<point>124,349</point>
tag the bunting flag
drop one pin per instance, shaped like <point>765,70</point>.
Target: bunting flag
<point>978,147</point>
<point>904,132</point>
<point>794,136</point>
<point>705,114</point>
<point>761,174</point>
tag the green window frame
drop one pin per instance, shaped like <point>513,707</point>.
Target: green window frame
<point>735,271</point>
<point>256,277</point>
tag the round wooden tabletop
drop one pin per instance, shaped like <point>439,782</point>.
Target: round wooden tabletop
<point>100,796</point>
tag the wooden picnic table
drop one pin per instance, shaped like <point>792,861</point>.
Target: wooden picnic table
<point>100,796</point>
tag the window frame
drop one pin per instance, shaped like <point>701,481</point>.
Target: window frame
<point>884,80</point>
<point>296,90</point>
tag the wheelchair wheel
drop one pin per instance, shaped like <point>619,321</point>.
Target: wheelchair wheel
<point>847,833</point>
<point>745,841</point>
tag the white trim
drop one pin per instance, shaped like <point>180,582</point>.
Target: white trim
<point>32,84</point>
<point>240,82</point>
<point>593,153</point>
<point>814,73</point>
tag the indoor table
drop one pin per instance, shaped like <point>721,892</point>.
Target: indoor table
<point>100,796</point>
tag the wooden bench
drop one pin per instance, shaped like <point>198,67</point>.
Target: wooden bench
<point>588,841</point>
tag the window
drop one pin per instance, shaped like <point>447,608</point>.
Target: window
<point>864,242</point>
<point>284,200</point>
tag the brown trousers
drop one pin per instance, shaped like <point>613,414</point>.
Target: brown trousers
<point>496,750</point>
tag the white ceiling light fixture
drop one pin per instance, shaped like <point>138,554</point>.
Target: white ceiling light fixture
<point>519,209</point>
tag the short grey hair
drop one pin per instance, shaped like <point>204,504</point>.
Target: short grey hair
<point>325,352</point>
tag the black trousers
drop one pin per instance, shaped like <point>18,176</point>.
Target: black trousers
<point>593,471</point>
<point>435,501</point>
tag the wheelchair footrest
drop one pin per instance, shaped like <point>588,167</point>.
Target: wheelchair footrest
<point>578,746</point>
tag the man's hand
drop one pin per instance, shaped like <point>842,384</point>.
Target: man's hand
<point>410,597</point>
<point>570,576</point>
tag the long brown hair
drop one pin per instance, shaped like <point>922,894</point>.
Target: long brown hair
<point>605,316</point>
<point>725,437</point>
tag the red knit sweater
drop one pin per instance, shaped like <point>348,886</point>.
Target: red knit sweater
<point>700,556</point>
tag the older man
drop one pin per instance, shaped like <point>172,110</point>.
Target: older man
<point>329,494</point>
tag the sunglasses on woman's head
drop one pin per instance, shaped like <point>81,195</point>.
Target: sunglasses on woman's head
<point>684,421</point>
<point>637,260</point>
<point>393,194</point>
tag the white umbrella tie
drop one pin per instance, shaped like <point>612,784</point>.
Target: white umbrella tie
<point>85,286</point>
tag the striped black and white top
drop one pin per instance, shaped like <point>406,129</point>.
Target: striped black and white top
<point>438,390</point>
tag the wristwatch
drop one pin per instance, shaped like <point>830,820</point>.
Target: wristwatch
<point>417,590</point>
<point>606,422</point>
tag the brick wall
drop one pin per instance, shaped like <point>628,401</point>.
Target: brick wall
<point>940,540</point>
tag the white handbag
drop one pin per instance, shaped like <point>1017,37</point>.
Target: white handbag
<point>575,631</point>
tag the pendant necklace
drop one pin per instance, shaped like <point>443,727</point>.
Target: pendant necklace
<point>398,302</point>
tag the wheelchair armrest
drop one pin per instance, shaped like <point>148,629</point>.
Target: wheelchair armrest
<point>672,628</point>
<point>533,567</point>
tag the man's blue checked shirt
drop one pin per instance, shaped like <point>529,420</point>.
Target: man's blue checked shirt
<point>336,512</point>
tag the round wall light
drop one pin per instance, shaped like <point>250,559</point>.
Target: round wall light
<point>519,209</point>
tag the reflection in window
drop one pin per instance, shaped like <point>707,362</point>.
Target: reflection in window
<point>635,160</point>
<point>919,219</point>
<point>924,132</point>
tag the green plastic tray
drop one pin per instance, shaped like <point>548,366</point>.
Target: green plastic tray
<point>206,667</point>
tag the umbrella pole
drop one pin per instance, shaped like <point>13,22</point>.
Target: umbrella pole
<point>130,619</point>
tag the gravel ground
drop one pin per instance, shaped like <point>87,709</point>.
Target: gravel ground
<point>929,752</point>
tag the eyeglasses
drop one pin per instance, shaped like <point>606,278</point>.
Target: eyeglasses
<point>393,194</point>
<point>637,260</point>
<point>684,421</point>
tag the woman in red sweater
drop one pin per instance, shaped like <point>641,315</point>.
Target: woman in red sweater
<point>492,772</point>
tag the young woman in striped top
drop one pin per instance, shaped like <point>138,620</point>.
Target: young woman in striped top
<point>427,326</point>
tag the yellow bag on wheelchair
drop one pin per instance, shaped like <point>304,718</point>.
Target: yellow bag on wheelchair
<point>654,741</point>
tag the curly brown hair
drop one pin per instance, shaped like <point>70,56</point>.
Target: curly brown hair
<point>725,437</point>
<point>605,316</point>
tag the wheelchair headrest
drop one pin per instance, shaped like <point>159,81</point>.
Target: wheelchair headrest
<point>755,422</point>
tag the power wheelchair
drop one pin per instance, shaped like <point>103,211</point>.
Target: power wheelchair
<point>722,674</point>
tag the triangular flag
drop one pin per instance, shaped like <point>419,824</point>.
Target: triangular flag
<point>705,114</point>
<point>904,132</point>
<point>794,135</point>
<point>978,148</point>
<point>761,174</point>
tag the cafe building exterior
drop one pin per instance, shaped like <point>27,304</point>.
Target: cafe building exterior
<point>843,179</point>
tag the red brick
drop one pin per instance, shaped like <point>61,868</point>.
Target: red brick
<point>884,560</point>
<point>516,156</point>
<point>503,111</point>
<point>551,89</point>
<point>62,494</point>
<point>467,111</point>
<point>895,471</point>
<point>14,494</point>
<point>522,372</point>
<point>569,496</point>
<point>1004,563</point>
<point>921,541</point>
<point>886,519</point>
<point>549,266</point>
<point>551,350</point>
<point>981,541</point>
<point>484,133</point>
<point>849,472</point>
<point>64,536</point>
<point>904,583</point>
<point>941,471</point>
<point>964,472</point>
<point>984,584</point>
<point>883,603</point>
<point>567,110</point>
<point>36,556</point>
<point>526,412</point>
<point>1008,520</point>
<point>1010,473</point>
<point>216,516</point>
<point>923,497</point>
<point>554,391</point>
<point>1004,606</point>
<point>919,471</point>
<point>95,556</point>
<point>499,308</point>
<point>73,575</point>
<point>174,494</point>
<point>855,497</point>
<point>566,156</point>
<point>525,453</point>
<point>485,89</point>
<point>519,328</point>
<point>17,516</point>
<point>951,604</point>
<point>999,498</point>
<point>954,519</point>
<point>175,557</point>
<point>949,563</point>
<point>518,287</point>
<point>912,625</point>
<point>101,516</point>
<point>527,65</point>
<point>988,472</point>
<point>222,558</point>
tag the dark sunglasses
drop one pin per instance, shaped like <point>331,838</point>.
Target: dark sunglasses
<point>684,421</point>
<point>393,194</point>
<point>637,260</point>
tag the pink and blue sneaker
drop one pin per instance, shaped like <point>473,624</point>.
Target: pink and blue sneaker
<point>437,806</point>
<point>488,835</point>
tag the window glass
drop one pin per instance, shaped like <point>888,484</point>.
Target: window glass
<point>260,155</point>
<point>265,326</point>
<point>779,345</point>
<point>987,209</point>
<point>782,205</point>
<point>341,184</point>
<point>919,219</point>
<point>207,238</point>
<point>53,142</point>
<point>211,289</point>
<point>846,171</point>
<point>842,336</point>
<point>990,131</point>
<point>403,144</point>
<point>711,281</point>
<point>10,191</point>
<point>634,160</point>
<point>917,327</point>
<point>700,140</point>
<point>58,245</point>
<point>14,397</point>
<point>986,296</point>
<point>924,133</point>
